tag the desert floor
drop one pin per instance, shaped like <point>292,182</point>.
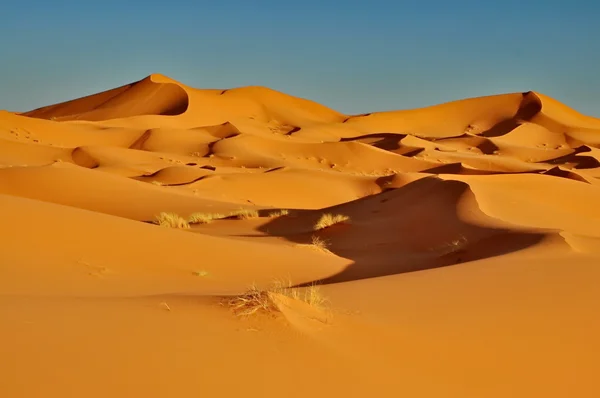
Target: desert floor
<point>458,256</point>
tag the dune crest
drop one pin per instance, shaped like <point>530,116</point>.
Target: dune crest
<point>450,250</point>
<point>154,95</point>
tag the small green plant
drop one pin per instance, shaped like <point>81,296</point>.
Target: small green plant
<point>327,220</point>
<point>171,220</point>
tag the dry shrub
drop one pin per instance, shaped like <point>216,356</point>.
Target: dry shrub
<point>327,220</point>
<point>319,243</point>
<point>251,302</point>
<point>171,220</point>
<point>255,300</point>
<point>279,213</point>
<point>244,214</point>
<point>204,218</point>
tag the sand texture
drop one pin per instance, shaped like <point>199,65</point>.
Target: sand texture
<point>160,240</point>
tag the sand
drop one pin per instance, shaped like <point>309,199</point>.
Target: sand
<point>465,261</point>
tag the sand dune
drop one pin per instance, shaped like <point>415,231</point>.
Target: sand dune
<point>150,96</point>
<point>457,247</point>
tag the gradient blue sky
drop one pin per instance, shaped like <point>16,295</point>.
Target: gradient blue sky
<point>353,56</point>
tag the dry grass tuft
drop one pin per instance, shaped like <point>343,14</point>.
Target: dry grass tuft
<point>279,213</point>
<point>171,220</point>
<point>204,218</point>
<point>452,247</point>
<point>319,243</point>
<point>327,220</point>
<point>314,297</point>
<point>255,300</point>
<point>157,183</point>
<point>311,295</point>
<point>252,301</point>
<point>244,214</point>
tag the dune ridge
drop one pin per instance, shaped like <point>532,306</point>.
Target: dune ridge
<point>456,246</point>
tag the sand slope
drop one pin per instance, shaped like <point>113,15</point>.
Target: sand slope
<point>465,263</point>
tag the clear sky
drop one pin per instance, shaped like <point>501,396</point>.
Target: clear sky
<point>353,56</point>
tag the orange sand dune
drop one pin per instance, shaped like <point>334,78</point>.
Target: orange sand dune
<point>75,186</point>
<point>146,97</point>
<point>445,251</point>
<point>477,115</point>
<point>287,187</point>
<point>345,156</point>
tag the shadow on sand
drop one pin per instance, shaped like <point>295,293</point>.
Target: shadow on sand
<point>416,227</point>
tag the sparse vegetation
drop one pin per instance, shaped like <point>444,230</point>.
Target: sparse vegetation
<point>452,247</point>
<point>243,214</point>
<point>279,213</point>
<point>318,244</point>
<point>200,273</point>
<point>327,220</point>
<point>252,301</point>
<point>157,183</point>
<point>311,295</point>
<point>204,218</point>
<point>314,297</point>
<point>171,220</point>
<point>255,300</point>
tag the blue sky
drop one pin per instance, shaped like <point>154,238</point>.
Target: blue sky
<point>353,56</point>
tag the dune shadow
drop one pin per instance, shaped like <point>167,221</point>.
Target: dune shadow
<point>449,168</point>
<point>487,147</point>
<point>412,228</point>
<point>361,269</point>
<point>177,107</point>
<point>580,162</point>
<point>141,140</point>
<point>83,159</point>
<point>530,106</point>
<point>168,99</point>
<point>557,172</point>
<point>294,129</point>
<point>221,131</point>
<point>357,116</point>
<point>387,141</point>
